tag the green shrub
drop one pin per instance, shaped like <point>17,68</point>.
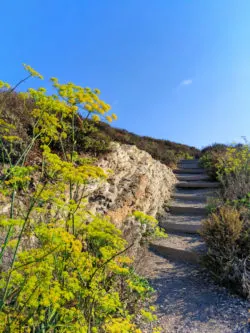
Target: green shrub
<point>230,165</point>
<point>210,157</point>
<point>227,229</point>
<point>152,230</point>
<point>227,236</point>
<point>233,172</point>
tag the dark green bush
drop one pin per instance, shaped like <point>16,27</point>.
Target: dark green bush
<point>227,230</point>
<point>227,235</point>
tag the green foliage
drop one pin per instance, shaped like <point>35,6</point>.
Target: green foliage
<point>227,230</point>
<point>144,218</point>
<point>243,202</point>
<point>234,160</point>
<point>221,159</point>
<point>91,140</point>
<point>210,157</point>
<point>233,170</point>
<point>152,230</point>
<point>227,235</point>
<point>63,269</point>
<point>165,151</point>
<point>231,166</point>
<point>92,136</point>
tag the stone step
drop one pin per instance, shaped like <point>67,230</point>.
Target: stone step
<point>195,160</point>
<point>187,177</point>
<point>188,202</point>
<point>188,197</point>
<point>197,192</point>
<point>189,170</point>
<point>185,247</point>
<point>182,223</point>
<point>189,163</point>
<point>188,166</point>
<point>183,196</point>
<point>188,210</point>
<point>197,184</point>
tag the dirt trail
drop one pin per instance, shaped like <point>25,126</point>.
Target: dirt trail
<point>189,301</point>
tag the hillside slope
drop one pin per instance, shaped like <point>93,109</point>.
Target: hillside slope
<point>166,151</point>
<point>94,138</point>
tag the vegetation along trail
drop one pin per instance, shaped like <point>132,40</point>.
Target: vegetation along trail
<point>70,228</point>
<point>188,299</point>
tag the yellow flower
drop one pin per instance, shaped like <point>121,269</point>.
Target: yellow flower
<point>109,119</point>
<point>4,85</point>
<point>54,79</point>
<point>95,118</point>
<point>11,138</point>
<point>97,91</point>
<point>32,72</point>
<point>148,316</point>
<point>42,90</point>
<point>114,116</point>
<point>87,107</point>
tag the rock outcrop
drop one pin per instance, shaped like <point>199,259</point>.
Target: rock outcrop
<point>138,182</point>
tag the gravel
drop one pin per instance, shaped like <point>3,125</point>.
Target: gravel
<point>189,301</point>
<point>188,242</point>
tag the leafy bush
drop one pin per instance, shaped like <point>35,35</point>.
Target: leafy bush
<point>152,230</point>
<point>210,157</point>
<point>227,236</point>
<point>227,229</point>
<point>62,268</point>
<point>231,167</point>
<point>233,170</point>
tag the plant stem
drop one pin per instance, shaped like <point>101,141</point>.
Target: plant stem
<point>18,244</point>
<point>10,227</point>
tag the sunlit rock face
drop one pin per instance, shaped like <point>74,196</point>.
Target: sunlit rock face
<point>137,182</point>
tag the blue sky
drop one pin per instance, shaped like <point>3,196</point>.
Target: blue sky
<point>171,69</point>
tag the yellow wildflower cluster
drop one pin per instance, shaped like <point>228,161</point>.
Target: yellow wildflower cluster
<point>234,160</point>
<point>67,271</point>
<point>4,85</point>
<point>5,127</point>
<point>83,98</point>
<point>69,171</point>
<point>32,72</point>
<point>120,325</point>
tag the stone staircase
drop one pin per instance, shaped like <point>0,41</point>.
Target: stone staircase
<point>186,211</point>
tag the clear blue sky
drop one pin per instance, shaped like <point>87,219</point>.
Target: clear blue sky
<point>171,69</point>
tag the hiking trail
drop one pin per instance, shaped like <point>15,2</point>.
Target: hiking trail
<point>188,299</point>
